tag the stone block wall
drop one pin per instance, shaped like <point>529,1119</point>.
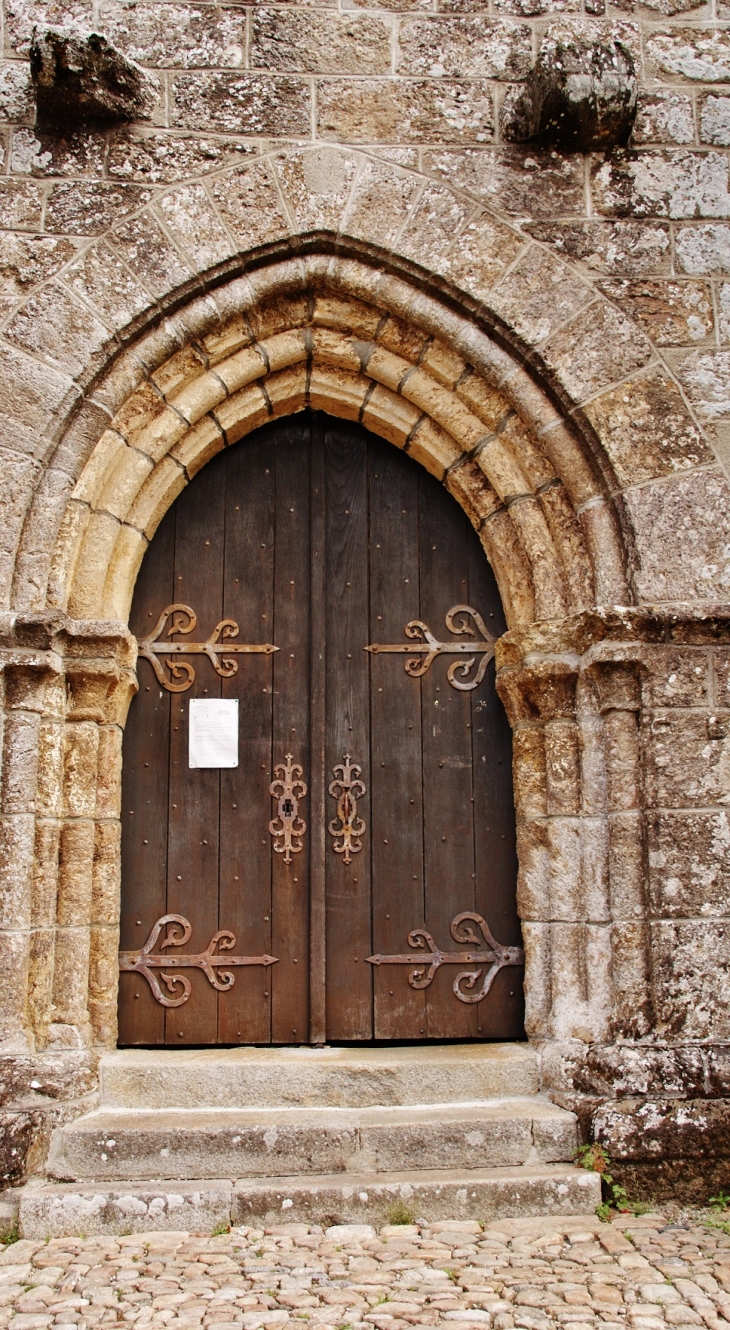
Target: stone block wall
<point>322,211</point>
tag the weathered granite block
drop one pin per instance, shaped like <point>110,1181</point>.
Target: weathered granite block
<point>580,95</point>
<point>179,1207</point>
<point>80,76</point>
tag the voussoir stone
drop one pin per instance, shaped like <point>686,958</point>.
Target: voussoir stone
<point>80,76</point>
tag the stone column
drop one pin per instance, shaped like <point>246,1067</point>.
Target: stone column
<point>573,692</point>
<point>100,682</point>
<point>32,688</point>
<point>66,688</point>
<point>617,688</point>
<point>561,842</point>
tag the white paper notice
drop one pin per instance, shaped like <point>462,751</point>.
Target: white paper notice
<point>213,738</point>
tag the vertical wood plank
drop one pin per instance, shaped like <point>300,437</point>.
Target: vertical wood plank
<point>291,724</point>
<point>448,818</point>
<point>145,772</point>
<point>396,768</point>
<point>317,946</point>
<point>501,1015</point>
<point>244,1012</point>
<point>193,844</point>
<point>349,977</point>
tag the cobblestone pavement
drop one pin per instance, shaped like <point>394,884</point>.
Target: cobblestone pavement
<point>534,1274</point>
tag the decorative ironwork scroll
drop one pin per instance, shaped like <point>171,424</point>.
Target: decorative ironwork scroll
<point>347,828</point>
<point>287,827</point>
<point>428,648</point>
<point>218,648</point>
<point>146,961</point>
<point>430,957</point>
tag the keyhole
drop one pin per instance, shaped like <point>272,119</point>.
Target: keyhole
<point>288,808</point>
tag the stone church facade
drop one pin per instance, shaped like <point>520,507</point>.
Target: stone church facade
<point>320,210</point>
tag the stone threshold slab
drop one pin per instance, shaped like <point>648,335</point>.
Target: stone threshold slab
<point>316,1077</point>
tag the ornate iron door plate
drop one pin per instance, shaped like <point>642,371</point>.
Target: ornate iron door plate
<point>347,828</point>
<point>287,828</point>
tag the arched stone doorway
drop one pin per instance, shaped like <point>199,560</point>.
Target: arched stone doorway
<point>300,337</point>
<point>556,508</point>
<point>337,336</point>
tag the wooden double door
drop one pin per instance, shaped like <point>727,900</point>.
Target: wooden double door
<point>352,878</point>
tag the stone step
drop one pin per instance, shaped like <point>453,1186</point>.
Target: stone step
<point>315,1077</point>
<point>48,1211</point>
<point>484,1194</point>
<point>279,1142</point>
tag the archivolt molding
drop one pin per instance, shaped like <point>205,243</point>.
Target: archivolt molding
<point>506,308</point>
<point>331,334</point>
